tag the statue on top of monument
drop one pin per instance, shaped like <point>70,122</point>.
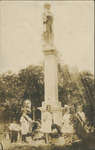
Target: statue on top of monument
<point>48,36</point>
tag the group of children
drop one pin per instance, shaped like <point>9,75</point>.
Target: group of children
<point>67,129</point>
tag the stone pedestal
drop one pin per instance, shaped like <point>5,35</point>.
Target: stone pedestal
<point>51,86</point>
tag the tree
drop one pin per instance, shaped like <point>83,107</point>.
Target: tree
<point>87,80</point>
<point>69,92</point>
<point>14,89</point>
<point>74,88</point>
<point>32,79</point>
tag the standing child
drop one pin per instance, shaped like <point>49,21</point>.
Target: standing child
<point>25,119</point>
<point>67,126</point>
<point>47,123</point>
<point>14,128</point>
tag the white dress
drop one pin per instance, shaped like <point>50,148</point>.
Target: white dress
<point>14,127</point>
<point>25,124</point>
<point>46,123</point>
<point>67,126</point>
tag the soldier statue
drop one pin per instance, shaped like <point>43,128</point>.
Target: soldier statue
<point>48,36</point>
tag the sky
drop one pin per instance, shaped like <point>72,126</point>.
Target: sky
<point>21,34</point>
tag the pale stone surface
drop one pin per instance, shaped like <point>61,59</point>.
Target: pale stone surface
<point>51,87</point>
<point>56,113</point>
<point>50,70</point>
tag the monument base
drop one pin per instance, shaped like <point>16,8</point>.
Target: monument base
<point>56,112</point>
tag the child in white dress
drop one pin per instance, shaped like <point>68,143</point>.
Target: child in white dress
<point>67,126</point>
<point>47,123</point>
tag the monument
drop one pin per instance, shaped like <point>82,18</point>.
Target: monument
<point>50,69</point>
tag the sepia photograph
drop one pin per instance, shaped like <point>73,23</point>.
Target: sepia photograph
<point>47,85</point>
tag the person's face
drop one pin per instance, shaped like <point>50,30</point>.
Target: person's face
<point>80,108</point>
<point>49,108</point>
<point>25,112</point>
<point>68,110</point>
<point>14,121</point>
<point>63,112</point>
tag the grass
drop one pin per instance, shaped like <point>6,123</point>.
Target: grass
<point>74,146</point>
<point>86,144</point>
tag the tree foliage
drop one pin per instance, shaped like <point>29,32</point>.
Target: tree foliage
<point>73,88</point>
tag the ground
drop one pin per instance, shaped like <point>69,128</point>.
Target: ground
<point>87,144</point>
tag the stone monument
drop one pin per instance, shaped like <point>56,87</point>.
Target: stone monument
<point>50,69</point>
